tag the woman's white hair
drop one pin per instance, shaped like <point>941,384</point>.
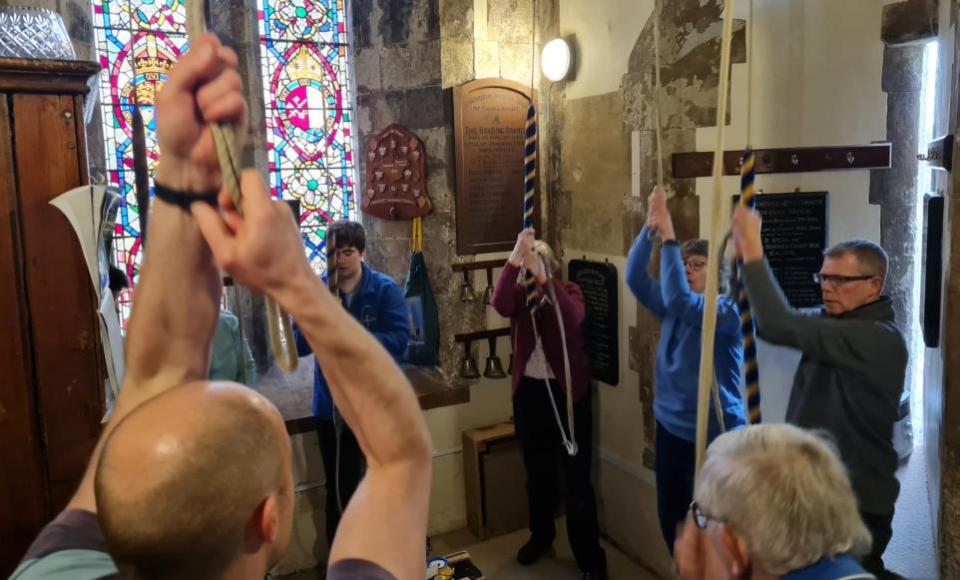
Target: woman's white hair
<point>785,492</point>
<point>550,261</point>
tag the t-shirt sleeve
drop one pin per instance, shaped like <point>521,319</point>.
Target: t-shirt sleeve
<point>71,547</point>
<point>357,570</point>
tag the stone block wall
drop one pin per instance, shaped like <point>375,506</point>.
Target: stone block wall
<point>408,55</point>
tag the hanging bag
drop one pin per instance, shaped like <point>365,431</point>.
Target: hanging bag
<point>423,349</point>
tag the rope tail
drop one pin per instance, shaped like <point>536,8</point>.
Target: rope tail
<point>529,197</point>
<point>529,283</point>
<point>224,137</point>
<point>333,275</point>
<point>718,223</point>
<point>751,372</point>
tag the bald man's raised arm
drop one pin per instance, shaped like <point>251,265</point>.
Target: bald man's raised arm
<point>176,302</point>
<point>386,519</point>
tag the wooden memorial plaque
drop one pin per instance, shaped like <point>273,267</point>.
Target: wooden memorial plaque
<point>396,187</point>
<point>490,117</point>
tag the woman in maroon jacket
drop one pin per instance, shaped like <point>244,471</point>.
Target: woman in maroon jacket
<point>539,370</point>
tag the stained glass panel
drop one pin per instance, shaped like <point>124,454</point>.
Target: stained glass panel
<point>309,121</point>
<point>315,21</point>
<point>137,43</point>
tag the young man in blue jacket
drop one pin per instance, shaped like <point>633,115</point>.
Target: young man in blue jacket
<point>377,302</point>
<point>677,300</point>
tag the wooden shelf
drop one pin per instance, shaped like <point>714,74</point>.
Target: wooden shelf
<point>481,334</point>
<point>481,265</point>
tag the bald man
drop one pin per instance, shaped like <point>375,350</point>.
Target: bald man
<point>192,479</point>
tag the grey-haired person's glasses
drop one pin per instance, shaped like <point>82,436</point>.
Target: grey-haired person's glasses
<point>699,518</point>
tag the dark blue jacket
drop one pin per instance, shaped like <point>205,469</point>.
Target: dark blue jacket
<point>841,567</point>
<point>380,307</point>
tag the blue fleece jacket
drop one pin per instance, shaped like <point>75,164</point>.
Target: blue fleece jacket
<point>678,356</point>
<point>380,307</point>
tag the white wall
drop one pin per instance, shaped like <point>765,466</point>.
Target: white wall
<point>816,81</point>
<point>606,31</point>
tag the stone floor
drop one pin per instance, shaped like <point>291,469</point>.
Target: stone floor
<point>495,557</point>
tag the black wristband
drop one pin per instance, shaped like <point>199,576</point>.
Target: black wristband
<point>183,199</point>
<point>672,242</point>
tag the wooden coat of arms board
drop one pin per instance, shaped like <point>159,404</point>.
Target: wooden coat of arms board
<point>396,187</point>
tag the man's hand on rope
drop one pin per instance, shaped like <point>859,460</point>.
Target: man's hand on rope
<point>203,88</point>
<point>746,235</point>
<point>262,249</point>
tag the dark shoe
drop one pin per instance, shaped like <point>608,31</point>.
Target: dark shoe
<point>532,550</point>
<point>601,572</point>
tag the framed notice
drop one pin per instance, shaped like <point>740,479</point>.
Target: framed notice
<point>601,331</point>
<point>794,239</point>
<point>490,118</point>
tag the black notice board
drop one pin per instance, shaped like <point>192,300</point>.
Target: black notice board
<point>601,332</point>
<point>932,288</point>
<point>794,238</point>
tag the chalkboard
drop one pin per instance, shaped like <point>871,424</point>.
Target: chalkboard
<point>794,238</point>
<point>601,331</point>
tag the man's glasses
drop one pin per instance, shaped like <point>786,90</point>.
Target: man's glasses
<point>699,518</point>
<point>838,280</point>
<point>695,266</point>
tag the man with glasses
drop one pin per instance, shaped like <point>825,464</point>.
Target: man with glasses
<point>676,299</point>
<point>773,501</point>
<point>854,362</point>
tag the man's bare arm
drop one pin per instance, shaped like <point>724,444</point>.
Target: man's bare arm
<point>386,519</point>
<point>176,303</point>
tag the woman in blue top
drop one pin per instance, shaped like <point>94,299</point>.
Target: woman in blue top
<point>677,300</point>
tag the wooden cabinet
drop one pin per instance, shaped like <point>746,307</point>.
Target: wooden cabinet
<point>51,369</point>
<point>494,481</point>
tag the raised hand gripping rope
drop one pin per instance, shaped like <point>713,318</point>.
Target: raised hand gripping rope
<point>224,137</point>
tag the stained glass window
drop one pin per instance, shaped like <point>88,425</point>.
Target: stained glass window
<point>303,61</point>
<point>137,43</point>
<point>303,54</point>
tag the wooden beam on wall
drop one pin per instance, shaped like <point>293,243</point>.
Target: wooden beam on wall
<point>787,160</point>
